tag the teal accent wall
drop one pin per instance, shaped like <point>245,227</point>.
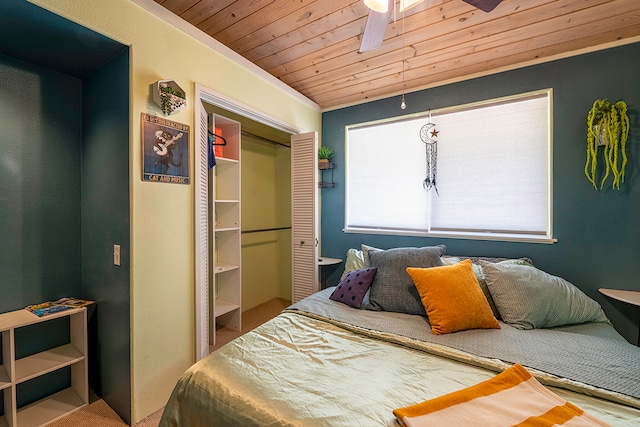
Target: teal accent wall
<point>41,114</point>
<point>598,232</point>
<point>105,222</point>
<point>40,258</point>
<point>64,190</point>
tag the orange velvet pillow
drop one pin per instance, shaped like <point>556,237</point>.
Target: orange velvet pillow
<point>452,298</point>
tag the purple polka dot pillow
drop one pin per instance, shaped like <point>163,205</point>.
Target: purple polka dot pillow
<point>353,287</point>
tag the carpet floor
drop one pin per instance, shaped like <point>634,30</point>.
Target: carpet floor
<point>250,320</point>
<point>99,414</point>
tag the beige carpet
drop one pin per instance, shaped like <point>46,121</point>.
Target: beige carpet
<point>250,319</point>
<point>99,414</point>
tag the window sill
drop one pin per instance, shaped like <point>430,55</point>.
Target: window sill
<point>501,237</point>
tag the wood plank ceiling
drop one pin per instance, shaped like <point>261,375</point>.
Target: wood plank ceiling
<point>312,45</point>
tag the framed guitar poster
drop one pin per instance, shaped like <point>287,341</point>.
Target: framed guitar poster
<point>165,150</point>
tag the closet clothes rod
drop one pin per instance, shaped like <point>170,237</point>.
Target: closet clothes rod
<point>264,229</point>
<point>263,139</point>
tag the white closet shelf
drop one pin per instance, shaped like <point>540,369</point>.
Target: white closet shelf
<point>223,160</point>
<point>227,229</point>
<point>224,307</point>
<point>227,201</point>
<point>221,267</point>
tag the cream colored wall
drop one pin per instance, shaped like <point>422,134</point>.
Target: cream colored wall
<point>162,215</point>
<point>266,256</point>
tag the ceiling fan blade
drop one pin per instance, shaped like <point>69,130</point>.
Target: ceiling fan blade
<point>375,28</point>
<point>484,5</point>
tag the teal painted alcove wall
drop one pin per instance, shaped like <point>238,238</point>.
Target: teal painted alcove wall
<point>105,221</point>
<point>598,232</point>
<point>64,189</point>
<point>40,217</point>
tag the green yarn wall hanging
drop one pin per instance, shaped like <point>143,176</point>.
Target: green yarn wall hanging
<point>607,127</point>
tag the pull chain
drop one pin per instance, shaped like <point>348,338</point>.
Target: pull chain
<point>403,104</point>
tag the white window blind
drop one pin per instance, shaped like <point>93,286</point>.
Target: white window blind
<point>493,172</point>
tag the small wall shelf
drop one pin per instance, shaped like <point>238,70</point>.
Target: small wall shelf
<point>323,167</point>
<point>164,95</point>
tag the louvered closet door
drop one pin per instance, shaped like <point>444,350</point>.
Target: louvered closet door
<point>202,235</point>
<point>304,203</point>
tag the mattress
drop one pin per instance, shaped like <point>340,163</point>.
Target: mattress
<point>322,363</point>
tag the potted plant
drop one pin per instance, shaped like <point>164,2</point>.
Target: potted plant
<point>607,127</point>
<point>169,96</point>
<point>324,154</point>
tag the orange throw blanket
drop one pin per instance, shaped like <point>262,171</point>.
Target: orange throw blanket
<point>512,398</point>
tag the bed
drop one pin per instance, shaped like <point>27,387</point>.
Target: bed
<point>326,361</point>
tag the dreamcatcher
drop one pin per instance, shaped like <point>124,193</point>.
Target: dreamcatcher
<point>429,135</point>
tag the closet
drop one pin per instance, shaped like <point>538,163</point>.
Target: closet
<point>266,219</point>
<point>244,213</point>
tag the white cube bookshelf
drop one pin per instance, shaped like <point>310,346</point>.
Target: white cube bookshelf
<point>17,371</point>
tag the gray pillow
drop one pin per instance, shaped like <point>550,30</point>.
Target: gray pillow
<point>392,288</point>
<point>477,270</point>
<point>529,298</point>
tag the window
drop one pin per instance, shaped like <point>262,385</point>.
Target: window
<point>493,172</point>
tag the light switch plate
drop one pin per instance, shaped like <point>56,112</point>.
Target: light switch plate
<point>116,255</point>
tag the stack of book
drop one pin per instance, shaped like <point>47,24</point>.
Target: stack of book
<point>62,304</point>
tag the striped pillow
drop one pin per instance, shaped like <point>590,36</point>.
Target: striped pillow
<point>477,270</point>
<point>529,298</point>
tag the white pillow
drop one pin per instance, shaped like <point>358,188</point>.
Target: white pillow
<point>355,261</point>
<point>365,252</point>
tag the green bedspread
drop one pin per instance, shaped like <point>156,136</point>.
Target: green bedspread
<point>297,370</point>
